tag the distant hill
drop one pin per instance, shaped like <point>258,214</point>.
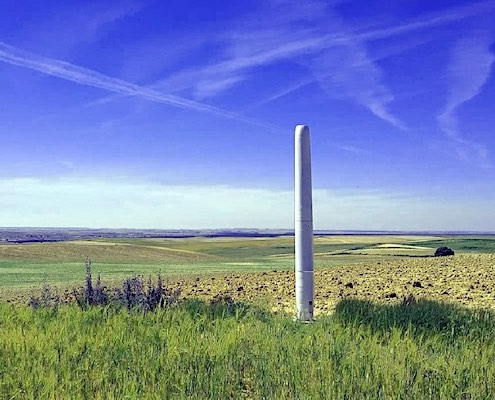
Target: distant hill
<point>36,234</point>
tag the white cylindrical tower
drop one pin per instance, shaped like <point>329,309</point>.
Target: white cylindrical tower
<point>303,218</point>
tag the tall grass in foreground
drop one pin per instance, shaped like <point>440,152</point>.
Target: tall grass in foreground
<point>216,350</point>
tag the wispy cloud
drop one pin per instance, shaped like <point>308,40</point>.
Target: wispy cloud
<point>351,149</point>
<point>129,203</point>
<point>357,76</point>
<point>145,58</point>
<point>281,93</point>
<point>325,45</point>
<point>379,55</point>
<point>258,43</point>
<point>428,21</point>
<point>338,59</point>
<point>233,70</point>
<point>347,72</point>
<point>209,88</point>
<point>100,15</point>
<point>84,76</point>
<point>469,69</point>
<point>117,202</point>
<point>71,25</point>
<point>335,54</point>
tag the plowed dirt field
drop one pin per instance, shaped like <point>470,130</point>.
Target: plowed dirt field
<point>468,280</point>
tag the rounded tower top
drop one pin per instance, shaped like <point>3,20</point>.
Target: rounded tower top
<point>301,130</point>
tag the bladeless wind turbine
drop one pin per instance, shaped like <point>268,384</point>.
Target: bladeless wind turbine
<point>303,219</point>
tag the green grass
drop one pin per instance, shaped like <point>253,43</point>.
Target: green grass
<point>411,350</point>
<point>198,350</point>
<point>462,244</point>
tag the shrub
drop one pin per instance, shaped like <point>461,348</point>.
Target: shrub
<point>134,294</point>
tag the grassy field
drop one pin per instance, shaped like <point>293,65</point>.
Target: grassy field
<point>415,350</point>
<point>391,321</point>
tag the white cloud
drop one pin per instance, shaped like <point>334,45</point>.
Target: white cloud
<point>96,202</point>
<point>281,93</point>
<point>347,72</point>
<point>350,148</point>
<point>71,25</point>
<point>468,71</point>
<point>430,20</point>
<point>208,88</point>
<point>117,203</point>
<point>237,63</point>
<point>334,53</point>
<point>84,76</point>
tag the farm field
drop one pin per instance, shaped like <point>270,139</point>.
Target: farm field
<point>260,270</point>
<point>391,321</point>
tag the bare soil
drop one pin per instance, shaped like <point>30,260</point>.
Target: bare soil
<point>468,280</point>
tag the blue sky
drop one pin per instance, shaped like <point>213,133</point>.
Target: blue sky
<point>180,114</point>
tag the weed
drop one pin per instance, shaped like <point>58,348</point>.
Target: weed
<point>133,294</point>
<point>47,299</point>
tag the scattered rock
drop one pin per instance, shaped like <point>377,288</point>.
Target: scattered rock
<point>444,251</point>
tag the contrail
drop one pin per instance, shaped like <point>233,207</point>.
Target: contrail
<point>431,20</point>
<point>84,76</point>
